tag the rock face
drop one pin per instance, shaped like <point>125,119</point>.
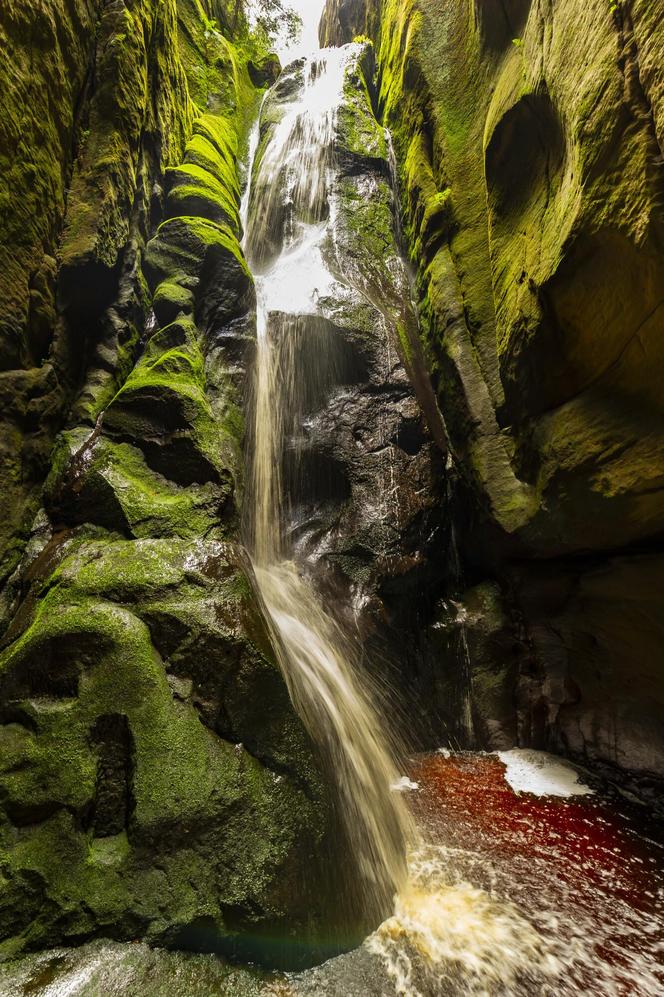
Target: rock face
<point>80,150</point>
<point>154,779</point>
<point>342,20</point>
<point>529,142</point>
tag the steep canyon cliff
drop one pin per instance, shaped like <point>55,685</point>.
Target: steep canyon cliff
<point>155,780</point>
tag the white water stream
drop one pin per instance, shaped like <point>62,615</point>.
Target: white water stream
<point>287,217</point>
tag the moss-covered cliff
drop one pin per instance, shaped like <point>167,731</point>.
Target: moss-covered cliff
<point>154,779</point>
<point>529,141</point>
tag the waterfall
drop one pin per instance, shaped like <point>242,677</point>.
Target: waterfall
<point>288,215</point>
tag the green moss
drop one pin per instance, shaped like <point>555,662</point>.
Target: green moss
<point>183,244</point>
<point>104,184</point>
<point>406,345</point>
<point>400,25</point>
<point>218,156</point>
<point>174,371</point>
<point>39,89</point>
<point>171,301</point>
<point>359,133</point>
<point>221,830</point>
<point>369,224</point>
<point>194,190</point>
<point>121,491</point>
<point>166,394</point>
<point>223,135</point>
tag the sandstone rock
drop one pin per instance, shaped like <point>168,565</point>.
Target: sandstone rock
<point>155,779</point>
<point>135,811</point>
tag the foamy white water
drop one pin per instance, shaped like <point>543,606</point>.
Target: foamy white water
<point>541,774</point>
<point>456,936</point>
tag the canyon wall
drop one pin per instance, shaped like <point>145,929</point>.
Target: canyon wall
<point>529,140</point>
<point>154,779</point>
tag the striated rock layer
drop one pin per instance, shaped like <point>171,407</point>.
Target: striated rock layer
<point>154,779</point>
<point>529,141</point>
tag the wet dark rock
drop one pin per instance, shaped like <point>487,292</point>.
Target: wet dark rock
<point>585,619</point>
<point>474,660</point>
<point>265,72</point>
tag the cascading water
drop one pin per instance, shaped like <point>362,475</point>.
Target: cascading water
<point>289,215</point>
<point>286,224</point>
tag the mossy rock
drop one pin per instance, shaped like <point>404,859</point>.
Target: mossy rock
<point>173,300</point>
<point>116,487</point>
<point>139,795</point>
<point>155,780</point>
<point>209,253</point>
<point>105,180</point>
<point>264,71</point>
<point>195,191</point>
<point>164,407</point>
<point>361,141</point>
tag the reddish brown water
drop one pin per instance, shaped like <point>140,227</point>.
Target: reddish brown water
<point>513,895</point>
<point>587,869</point>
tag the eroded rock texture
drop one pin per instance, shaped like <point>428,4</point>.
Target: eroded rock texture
<point>529,141</point>
<point>154,779</point>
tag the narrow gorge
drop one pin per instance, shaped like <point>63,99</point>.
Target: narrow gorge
<point>332,454</point>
